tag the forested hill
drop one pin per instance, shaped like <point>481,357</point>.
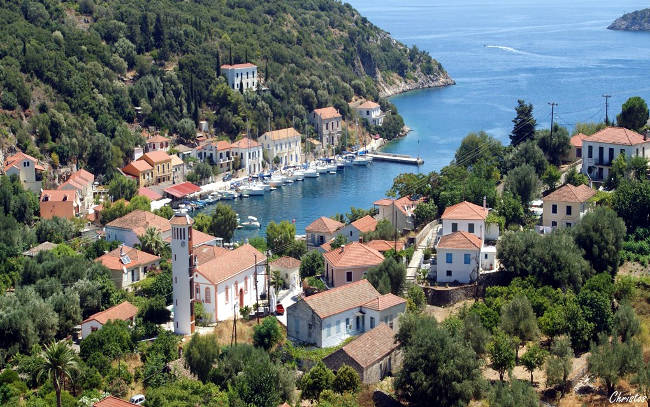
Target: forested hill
<point>72,72</point>
<point>636,21</point>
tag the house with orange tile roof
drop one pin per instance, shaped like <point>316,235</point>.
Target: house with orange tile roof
<point>327,121</point>
<point>241,77</point>
<point>353,231</point>
<point>283,143</point>
<point>289,269</point>
<point>28,170</point>
<point>565,206</point>
<point>602,147</point>
<point>216,153</point>
<point>111,401</point>
<point>399,212</point>
<point>458,258</point>
<point>178,169</point>
<point>141,171</point>
<point>370,111</point>
<point>128,265</point>
<point>374,355</point>
<point>124,311</point>
<point>82,182</point>
<point>329,317</point>
<point>321,230</point>
<point>161,163</point>
<point>575,153</point>
<point>157,142</point>
<point>250,155</point>
<point>59,203</point>
<point>465,216</point>
<point>383,246</point>
<point>350,263</point>
<point>127,228</point>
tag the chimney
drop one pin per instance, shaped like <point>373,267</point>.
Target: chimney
<point>122,249</point>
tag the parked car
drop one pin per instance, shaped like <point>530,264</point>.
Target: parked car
<point>227,177</point>
<point>137,399</point>
<point>279,309</point>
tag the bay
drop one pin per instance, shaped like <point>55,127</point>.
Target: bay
<point>497,52</point>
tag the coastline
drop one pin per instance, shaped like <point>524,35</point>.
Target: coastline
<point>421,81</point>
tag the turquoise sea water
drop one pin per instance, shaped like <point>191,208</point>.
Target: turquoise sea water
<point>496,52</point>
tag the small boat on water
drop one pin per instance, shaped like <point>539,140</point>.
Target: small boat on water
<point>311,173</point>
<point>362,160</point>
<point>322,169</point>
<point>229,194</point>
<point>300,175</point>
<point>277,180</point>
<point>265,186</point>
<point>331,168</point>
<point>251,223</point>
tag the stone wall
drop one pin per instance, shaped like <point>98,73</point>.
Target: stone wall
<point>445,296</point>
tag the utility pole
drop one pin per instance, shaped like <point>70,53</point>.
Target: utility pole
<point>553,104</point>
<point>607,108</point>
<point>257,303</point>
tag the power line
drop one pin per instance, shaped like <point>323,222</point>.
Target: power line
<point>607,108</point>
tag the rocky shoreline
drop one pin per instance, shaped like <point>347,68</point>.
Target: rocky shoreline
<point>421,81</point>
<point>636,21</point>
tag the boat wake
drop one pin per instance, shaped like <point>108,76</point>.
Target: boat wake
<point>509,49</point>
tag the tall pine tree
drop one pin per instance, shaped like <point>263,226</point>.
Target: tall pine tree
<point>524,123</point>
<point>145,32</point>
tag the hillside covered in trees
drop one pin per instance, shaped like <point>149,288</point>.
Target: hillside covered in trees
<point>72,73</point>
<point>635,21</point>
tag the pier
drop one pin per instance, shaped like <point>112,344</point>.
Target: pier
<point>396,158</point>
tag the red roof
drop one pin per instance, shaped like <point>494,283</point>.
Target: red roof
<point>404,204</point>
<point>122,312</point>
<point>286,262</point>
<point>157,156</point>
<point>111,401</point>
<point>570,193</point>
<point>157,139</point>
<point>149,193</point>
<point>354,254</point>
<point>343,298</point>
<point>230,263</point>
<point>617,135</point>
<point>327,113</point>
<point>13,160</point>
<point>465,210</point>
<point>576,141</point>
<point>371,347</point>
<point>384,302</point>
<point>368,104</point>
<point>324,225</point>
<point>136,167</point>
<point>365,224</point>
<point>239,66</point>
<point>55,195</point>
<point>245,143</point>
<point>460,240</point>
<point>384,245</point>
<point>181,190</point>
<point>115,259</point>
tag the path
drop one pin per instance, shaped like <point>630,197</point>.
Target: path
<point>418,254</point>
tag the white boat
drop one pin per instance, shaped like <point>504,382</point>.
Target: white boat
<point>362,160</point>
<point>331,168</point>
<point>253,189</point>
<point>300,175</point>
<point>348,160</point>
<point>265,187</point>
<point>251,223</point>
<point>291,176</point>
<point>229,194</point>
<point>322,169</point>
<point>311,173</point>
<point>277,180</point>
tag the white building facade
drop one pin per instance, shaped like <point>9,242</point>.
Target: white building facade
<point>370,111</point>
<point>182,274</point>
<point>601,148</point>
<point>285,144</point>
<point>250,155</point>
<point>241,75</point>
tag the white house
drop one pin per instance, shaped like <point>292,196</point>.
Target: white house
<point>328,318</point>
<point>289,269</point>
<point>127,228</point>
<point>239,75</point>
<point>250,155</point>
<point>354,231</point>
<point>565,206</point>
<point>327,121</point>
<point>128,265</point>
<point>156,142</point>
<point>399,212</point>
<point>459,254</point>
<point>28,170</point>
<point>124,311</point>
<point>82,182</point>
<point>321,231</point>
<point>601,148</point>
<point>283,143</point>
<point>370,111</point>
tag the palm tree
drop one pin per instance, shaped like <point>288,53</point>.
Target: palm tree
<point>59,362</point>
<point>152,242</point>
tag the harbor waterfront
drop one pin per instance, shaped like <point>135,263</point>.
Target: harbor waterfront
<point>540,52</point>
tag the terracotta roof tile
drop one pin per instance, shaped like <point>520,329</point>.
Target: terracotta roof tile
<point>384,245</point>
<point>327,113</point>
<point>245,143</point>
<point>405,204</point>
<point>286,262</point>
<point>55,195</point>
<point>239,66</point>
<point>576,140</point>
<point>135,168</point>
<point>372,346</point>
<point>282,134</point>
<point>149,193</point>
<point>324,225</point>
<point>113,259</point>
<point>617,135</point>
<point>460,240</point>
<point>341,298</point>
<point>230,264</point>
<point>157,139</point>
<point>13,160</point>
<point>222,145</point>
<point>155,157</point>
<point>384,302</point>
<point>111,401</point>
<point>122,311</point>
<point>368,104</point>
<point>182,189</point>
<point>206,253</point>
<point>354,254</point>
<point>176,160</point>
<point>465,210</point>
<point>138,221</point>
<point>365,224</point>
<point>199,238</point>
<point>570,193</point>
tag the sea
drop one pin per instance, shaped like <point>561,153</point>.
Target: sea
<point>497,52</point>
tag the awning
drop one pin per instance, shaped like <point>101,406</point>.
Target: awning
<point>181,190</point>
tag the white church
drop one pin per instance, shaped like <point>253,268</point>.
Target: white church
<point>223,280</point>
